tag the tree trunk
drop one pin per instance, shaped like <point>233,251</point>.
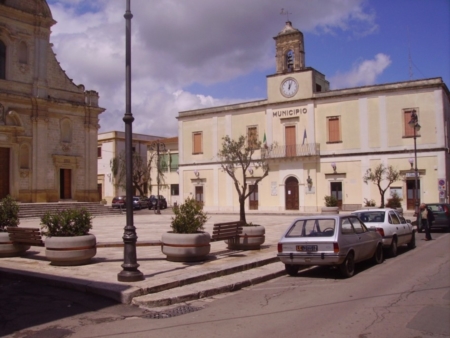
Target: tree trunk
<point>242,209</point>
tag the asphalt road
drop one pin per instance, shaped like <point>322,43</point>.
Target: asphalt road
<point>406,296</point>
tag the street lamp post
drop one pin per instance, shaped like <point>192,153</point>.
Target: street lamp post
<point>158,146</point>
<point>414,123</point>
<point>130,272</point>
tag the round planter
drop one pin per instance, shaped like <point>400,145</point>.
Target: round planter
<point>252,238</point>
<point>330,210</point>
<point>186,247</point>
<point>75,250</point>
<point>8,249</point>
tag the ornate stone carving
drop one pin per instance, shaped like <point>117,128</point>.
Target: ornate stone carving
<point>65,146</point>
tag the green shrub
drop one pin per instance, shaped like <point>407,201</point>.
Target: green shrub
<point>9,213</point>
<point>66,223</point>
<point>394,202</point>
<point>331,201</point>
<point>189,217</point>
<point>369,203</point>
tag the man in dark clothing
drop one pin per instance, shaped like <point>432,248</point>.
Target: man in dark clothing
<point>426,218</point>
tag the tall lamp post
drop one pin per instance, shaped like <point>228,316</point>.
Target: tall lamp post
<point>130,272</point>
<point>414,123</point>
<point>158,146</point>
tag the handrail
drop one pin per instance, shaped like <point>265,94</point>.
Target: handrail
<point>295,150</point>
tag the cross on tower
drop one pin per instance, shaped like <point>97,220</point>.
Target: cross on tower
<point>283,12</point>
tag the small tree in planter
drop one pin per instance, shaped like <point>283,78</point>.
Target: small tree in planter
<point>331,205</point>
<point>9,217</point>
<point>68,230</point>
<point>382,176</point>
<point>187,242</point>
<point>369,203</point>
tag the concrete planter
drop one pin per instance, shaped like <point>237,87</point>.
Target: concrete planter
<point>330,210</point>
<point>186,247</point>
<point>252,238</point>
<point>65,251</point>
<point>8,249</point>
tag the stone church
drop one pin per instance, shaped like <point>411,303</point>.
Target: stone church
<point>48,124</point>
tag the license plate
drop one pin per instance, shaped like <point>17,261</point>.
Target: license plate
<point>308,248</point>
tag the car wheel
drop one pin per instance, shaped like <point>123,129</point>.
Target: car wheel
<point>378,256</point>
<point>393,248</point>
<point>292,270</point>
<point>347,268</point>
<point>412,242</point>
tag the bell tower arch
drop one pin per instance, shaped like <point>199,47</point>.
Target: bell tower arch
<point>290,50</point>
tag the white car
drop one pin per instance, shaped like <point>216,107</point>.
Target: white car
<point>394,229</point>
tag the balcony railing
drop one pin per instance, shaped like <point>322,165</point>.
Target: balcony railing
<point>296,150</point>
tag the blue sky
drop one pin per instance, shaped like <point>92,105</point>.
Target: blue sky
<point>201,53</point>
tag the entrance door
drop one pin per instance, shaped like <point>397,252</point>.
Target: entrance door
<point>65,183</point>
<point>199,194</point>
<point>291,194</point>
<point>290,141</point>
<point>99,189</point>
<point>411,193</point>
<point>336,191</point>
<point>4,172</point>
<point>253,198</point>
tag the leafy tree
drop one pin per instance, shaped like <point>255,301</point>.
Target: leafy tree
<point>236,157</point>
<point>382,174</point>
<point>141,176</point>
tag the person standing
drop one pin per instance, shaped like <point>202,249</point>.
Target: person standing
<point>425,220</point>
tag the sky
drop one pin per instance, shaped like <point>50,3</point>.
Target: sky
<point>190,54</point>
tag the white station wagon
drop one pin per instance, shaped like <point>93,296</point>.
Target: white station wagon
<point>335,240</point>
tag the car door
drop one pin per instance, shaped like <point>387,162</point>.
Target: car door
<point>398,228</point>
<point>366,245</point>
<point>440,214</point>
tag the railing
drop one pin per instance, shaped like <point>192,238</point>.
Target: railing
<point>296,150</point>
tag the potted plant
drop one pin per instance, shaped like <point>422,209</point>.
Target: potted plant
<point>369,203</point>
<point>68,240</point>
<point>187,242</point>
<point>395,202</point>
<point>9,217</point>
<point>251,238</point>
<point>331,205</point>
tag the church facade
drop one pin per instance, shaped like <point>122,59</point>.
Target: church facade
<point>48,125</point>
<point>321,142</point>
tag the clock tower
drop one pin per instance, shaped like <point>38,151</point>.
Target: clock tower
<point>290,50</point>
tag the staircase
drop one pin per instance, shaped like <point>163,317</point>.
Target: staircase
<point>27,210</point>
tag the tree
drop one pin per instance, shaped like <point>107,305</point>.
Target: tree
<point>236,157</point>
<point>382,174</point>
<point>141,176</point>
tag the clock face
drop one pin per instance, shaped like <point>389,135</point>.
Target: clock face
<point>289,87</point>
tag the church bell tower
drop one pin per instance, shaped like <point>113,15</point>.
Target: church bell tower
<point>290,50</point>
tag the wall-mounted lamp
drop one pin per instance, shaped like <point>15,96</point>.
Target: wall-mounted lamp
<point>109,176</point>
<point>250,170</point>
<point>196,173</point>
<point>411,162</point>
<point>309,182</point>
<point>333,165</point>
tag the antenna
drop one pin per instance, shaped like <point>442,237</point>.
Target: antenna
<point>283,12</point>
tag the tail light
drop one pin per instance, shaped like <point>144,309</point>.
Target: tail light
<point>380,231</point>
<point>280,247</point>
<point>336,247</point>
<point>446,210</point>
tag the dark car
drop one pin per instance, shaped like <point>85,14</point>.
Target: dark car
<point>441,212</point>
<point>154,200</point>
<point>118,202</point>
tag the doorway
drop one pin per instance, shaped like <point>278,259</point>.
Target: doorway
<point>253,198</point>
<point>290,140</point>
<point>65,184</point>
<point>100,191</point>
<point>199,194</point>
<point>411,193</point>
<point>4,172</point>
<point>336,191</point>
<point>291,194</point>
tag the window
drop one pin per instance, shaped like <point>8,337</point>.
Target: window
<point>174,190</point>
<point>66,131</point>
<point>334,132</point>
<point>409,131</point>
<point>164,162</point>
<point>2,60</point>
<point>197,143</point>
<point>99,152</point>
<point>252,137</point>
<point>290,61</point>
<point>173,162</point>
<point>358,226</point>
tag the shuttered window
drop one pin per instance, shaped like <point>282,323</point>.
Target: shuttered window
<point>409,131</point>
<point>197,142</point>
<point>252,137</point>
<point>334,132</point>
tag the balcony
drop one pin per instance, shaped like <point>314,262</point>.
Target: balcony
<point>290,151</point>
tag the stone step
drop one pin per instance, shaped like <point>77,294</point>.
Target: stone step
<point>211,287</point>
<point>28,210</point>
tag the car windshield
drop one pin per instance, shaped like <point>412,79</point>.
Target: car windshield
<point>312,228</point>
<point>371,216</point>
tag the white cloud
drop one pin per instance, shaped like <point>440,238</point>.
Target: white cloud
<point>179,43</point>
<point>362,74</point>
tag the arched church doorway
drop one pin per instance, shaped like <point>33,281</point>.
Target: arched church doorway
<point>291,194</point>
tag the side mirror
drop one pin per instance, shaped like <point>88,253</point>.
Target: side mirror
<point>408,221</point>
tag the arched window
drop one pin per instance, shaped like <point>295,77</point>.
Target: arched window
<point>2,60</point>
<point>23,53</point>
<point>66,131</point>
<point>290,61</point>
<point>24,157</point>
